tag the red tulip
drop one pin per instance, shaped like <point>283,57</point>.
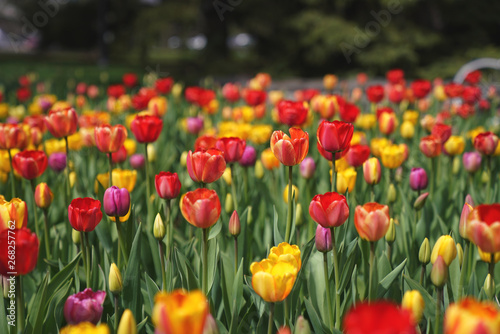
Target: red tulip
<point>146,129</point>
<point>473,77</point>
<point>395,76</point>
<point>62,123</point>
<point>471,95</point>
<point>306,94</point>
<point>377,318</point>
<point>205,166</point>
<point>421,88</point>
<point>231,92</point>
<point>232,147</point>
<point>396,93</point>
<point>329,210</point>
<point>84,214</point>
<point>430,146</point>
<point>164,85</point>
<point>292,113</point>
<point>349,112</point>
<point>30,164</point>
<point>201,207</point>
<point>371,221</point>
<point>205,142</point>
<point>167,185</point>
<point>130,79</point>
<point>483,227</point>
<point>357,155</point>
<point>35,121</point>
<point>290,150</point>
<point>334,137</point>
<point>442,132</point>
<point>486,143</point>
<point>254,97</point>
<point>453,90</point>
<point>109,138</point>
<point>116,91</point>
<point>119,156</point>
<point>375,93</point>
<point>23,94</point>
<point>26,251</point>
<point>13,136</point>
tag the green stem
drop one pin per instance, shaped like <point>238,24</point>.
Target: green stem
<point>170,229</point>
<point>121,239</point>
<point>389,254</point>
<point>372,264</point>
<point>439,298</point>
<point>290,206</point>
<point>235,255</point>
<point>205,261</point>
<point>271,314</point>
<point>489,184</point>
<point>35,213</point>
<point>20,304</point>
<point>491,266</point>
<point>148,186</point>
<point>328,296</point>
<point>84,255</point>
<point>334,176</point>
<point>162,262</point>
<point>233,187</point>
<point>89,260</point>
<point>46,234</point>
<point>372,197</point>
<point>463,271</point>
<point>422,275</point>
<point>110,182</point>
<point>68,185</point>
<point>12,178</point>
<point>337,281</point>
<point>116,313</point>
<point>245,183</point>
<point>433,176</point>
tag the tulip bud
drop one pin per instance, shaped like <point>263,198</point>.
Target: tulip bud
<point>284,330</point>
<point>489,287</point>
<point>302,326</point>
<point>183,159</point>
<point>398,176</point>
<point>456,165</point>
<point>229,206</point>
<point>137,161</point>
<point>407,130</point>
<point>420,201</point>
<point>72,179</point>
<point>127,323</point>
<point>299,219</point>
<point>418,179</point>
<point>159,228</point>
<point>75,236</point>
<point>234,224</point>
<point>471,161</point>
<point>43,196</point>
<point>227,176</point>
<point>391,194</point>
<point>115,279</point>
<point>413,301</point>
<point>249,215</point>
<point>151,153</point>
<point>424,254</point>
<point>323,239</point>
<point>307,168</point>
<point>57,161</point>
<point>259,169</point>
<point>485,177</point>
<point>439,272</point>
<point>445,248</point>
<point>460,254</point>
<point>390,236</point>
<point>295,193</point>
<point>210,325</point>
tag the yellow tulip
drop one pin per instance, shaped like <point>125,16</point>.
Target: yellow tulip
<point>366,121</point>
<point>75,142</point>
<point>122,178</point>
<point>14,210</point>
<point>455,145</point>
<point>158,105</point>
<point>411,116</point>
<point>378,144</point>
<point>283,251</point>
<point>127,323</point>
<point>486,257</point>
<point>54,145</point>
<point>393,156</point>
<point>295,192</point>
<point>446,248</point>
<point>273,281</point>
<point>269,160</point>
<point>180,312</point>
<point>358,138</point>
<point>346,180</point>
<point>85,328</point>
<point>4,110</point>
<point>260,134</point>
<point>227,176</point>
<point>413,301</point>
<point>471,316</point>
<point>407,130</point>
<point>130,146</point>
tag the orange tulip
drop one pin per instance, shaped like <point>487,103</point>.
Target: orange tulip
<point>372,221</point>
<point>290,151</point>
<point>201,207</point>
<point>109,139</point>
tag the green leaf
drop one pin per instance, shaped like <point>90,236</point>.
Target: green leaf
<point>387,281</point>
<point>237,298</point>
<point>277,236</point>
<point>215,230</point>
<point>315,320</point>
<point>152,290</point>
<point>132,278</point>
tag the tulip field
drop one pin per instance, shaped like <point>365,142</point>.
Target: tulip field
<point>158,207</point>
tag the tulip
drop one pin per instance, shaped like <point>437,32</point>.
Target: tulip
<point>234,224</point>
<point>466,210</point>
<point>57,161</point>
<point>371,221</point>
<point>119,156</point>
<point>164,85</point>
<point>231,92</point>
<point>307,167</point>
<point>194,125</point>
<point>273,281</point>
<point>441,131</point>
<point>483,227</point>
<point>375,93</point>
<point>269,160</point>
<point>167,185</point>
<point>159,229</point>
<point>291,150</point>
<point>455,145</point>
<point>43,196</point>
<point>430,146</point>
<point>260,134</point>
<point>201,207</point>
<point>295,193</point>
<point>421,88</point>
<point>180,312</point>
<point>286,252</point>
<point>330,81</point>
<point>420,201</point>
<point>232,147</point>
<point>137,161</point>
<point>84,214</point>
<point>418,179</point>
<point>445,248</point>
<point>323,239</point>
<point>14,210</point>
<point>115,281</point>
<point>61,123</point>
<point>292,113</point>
<point>254,97</point>
<point>439,273</point>
<point>85,328</point>
<point>205,166</point>
<point>387,123</point>
<point>25,244</point>
<point>471,161</point>
<point>366,121</point>
<point>377,145</point>
<point>379,317</point>
<point>471,316</point>
<point>249,156</point>
<point>407,130</point>
<point>116,201</point>
<point>84,306</point>
<point>109,138</point>
<point>357,155</point>
<point>334,137</point>
<point>349,113</point>
<point>302,326</point>
<point>30,164</point>
<point>413,301</point>
<point>13,136</point>
<point>158,106</point>
<point>393,156</point>
<point>487,257</point>
<point>372,171</point>
<point>146,129</point>
<point>486,143</point>
<point>127,323</point>
<point>346,180</point>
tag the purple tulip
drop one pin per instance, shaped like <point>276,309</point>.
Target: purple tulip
<point>84,306</point>
<point>137,161</point>
<point>116,201</point>
<point>57,161</point>
<point>194,124</point>
<point>472,161</point>
<point>307,167</point>
<point>323,239</point>
<point>418,179</point>
<point>249,156</point>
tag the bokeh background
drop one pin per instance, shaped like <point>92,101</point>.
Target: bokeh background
<point>232,39</point>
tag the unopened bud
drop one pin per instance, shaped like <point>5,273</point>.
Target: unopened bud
<point>323,239</point>
<point>390,236</point>
<point>489,287</point>
<point>72,179</point>
<point>43,196</point>
<point>420,201</point>
<point>460,255</point>
<point>183,158</point>
<point>284,330</point>
<point>295,193</point>
<point>249,215</point>
<point>151,153</point>
<point>259,169</point>
<point>226,176</point>
<point>424,254</point>
<point>299,218</point>
<point>75,236</point>
<point>302,326</point>
<point>115,279</point>
<point>398,176</point>
<point>228,205</point>
<point>456,165</point>
<point>485,177</point>
<point>234,224</point>
<point>391,194</point>
<point>414,302</point>
<point>159,229</point>
<point>439,273</point>
<point>127,323</point>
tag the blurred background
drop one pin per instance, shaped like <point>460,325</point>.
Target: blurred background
<point>232,39</point>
